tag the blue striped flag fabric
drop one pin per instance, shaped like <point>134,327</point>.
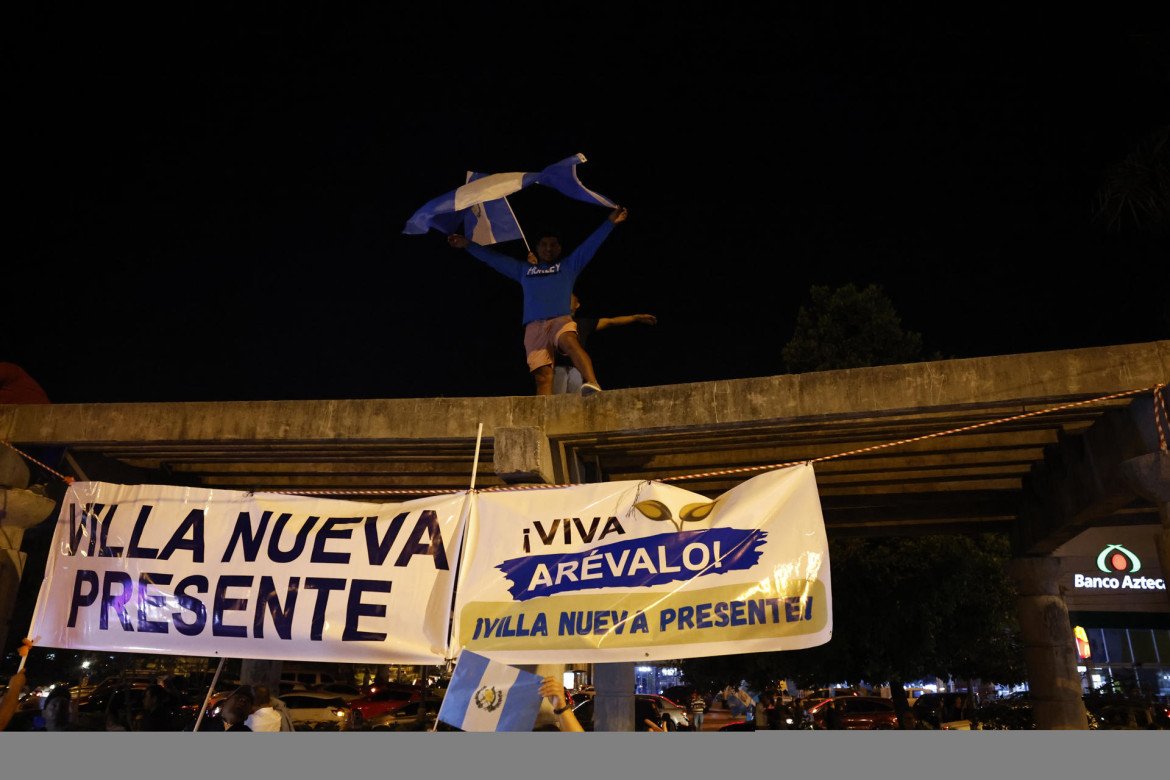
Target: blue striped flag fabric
<point>481,205</point>
<point>486,695</point>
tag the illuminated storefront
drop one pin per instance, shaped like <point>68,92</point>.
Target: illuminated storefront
<point>1119,605</point>
<point>655,679</point>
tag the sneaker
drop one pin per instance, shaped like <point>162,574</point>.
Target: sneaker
<point>589,389</point>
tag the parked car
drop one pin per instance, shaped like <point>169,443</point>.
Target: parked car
<point>381,699</point>
<point>821,695</point>
<point>123,699</point>
<point>124,705</point>
<point>937,710</point>
<point>406,718</point>
<point>914,694</point>
<point>1128,716</point>
<point>289,686</point>
<point>309,679</point>
<point>317,711</point>
<point>677,717</point>
<point>1006,715</point>
<point>1114,711</point>
<point>347,692</point>
<point>854,712</point>
<point>738,725</point>
<point>1014,713</point>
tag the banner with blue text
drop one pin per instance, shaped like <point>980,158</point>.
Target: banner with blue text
<point>644,571</point>
<point>194,571</point>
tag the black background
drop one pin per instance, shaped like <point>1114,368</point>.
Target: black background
<point>207,204</point>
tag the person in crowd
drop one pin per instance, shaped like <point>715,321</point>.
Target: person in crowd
<point>648,716</point>
<point>780,714</point>
<point>236,709</point>
<point>763,705</point>
<point>58,710</point>
<point>552,689</point>
<point>566,377</point>
<point>954,708</point>
<point>907,721</point>
<point>548,281</point>
<point>159,712</point>
<point>268,712</point>
<point>697,707</point>
<point>12,698</point>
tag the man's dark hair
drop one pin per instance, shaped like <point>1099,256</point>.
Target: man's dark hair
<point>546,230</point>
<point>245,692</point>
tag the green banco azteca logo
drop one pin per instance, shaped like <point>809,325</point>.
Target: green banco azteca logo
<point>1123,565</point>
<point>1115,559</point>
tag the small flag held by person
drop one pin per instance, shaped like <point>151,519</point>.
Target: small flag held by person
<point>486,695</point>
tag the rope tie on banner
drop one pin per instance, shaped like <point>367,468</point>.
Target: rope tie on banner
<point>26,456</point>
<point>26,644</point>
<point>1161,423</point>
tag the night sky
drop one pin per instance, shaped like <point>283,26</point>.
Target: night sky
<point>209,206</point>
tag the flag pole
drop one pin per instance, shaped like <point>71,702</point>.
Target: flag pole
<point>475,460</point>
<point>513,213</point>
<point>210,688</point>
<point>474,469</point>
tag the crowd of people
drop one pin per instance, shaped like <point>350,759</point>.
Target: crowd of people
<point>162,708</point>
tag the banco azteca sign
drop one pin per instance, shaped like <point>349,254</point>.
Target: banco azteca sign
<point>1115,560</point>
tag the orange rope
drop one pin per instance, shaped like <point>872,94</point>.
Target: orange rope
<point>916,438</point>
<point>1159,404</point>
<point>62,477</point>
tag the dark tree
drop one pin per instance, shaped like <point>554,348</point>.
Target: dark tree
<point>1136,190</point>
<point>849,328</point>
<point>903,607</point>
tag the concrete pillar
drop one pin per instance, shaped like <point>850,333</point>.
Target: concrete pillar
<point>1149,476</point>
<point>20,510</point>
<point>1049,646</point>
<point>13,469</point>
<point>261,672</point>
<point>613,697</point>
<point>522,455</point>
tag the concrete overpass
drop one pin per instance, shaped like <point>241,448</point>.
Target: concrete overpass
<point>1042,478</point>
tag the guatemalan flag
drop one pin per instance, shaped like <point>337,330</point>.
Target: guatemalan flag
<point>486,695</point>
<point>481,209</point>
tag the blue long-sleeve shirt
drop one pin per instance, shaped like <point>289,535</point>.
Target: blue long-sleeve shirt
<point>547,288</point>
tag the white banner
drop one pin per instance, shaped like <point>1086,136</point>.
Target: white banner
<point>193,571</point>
<point>643,571</point>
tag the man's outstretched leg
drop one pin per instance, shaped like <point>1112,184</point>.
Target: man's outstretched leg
<point>569,344</point>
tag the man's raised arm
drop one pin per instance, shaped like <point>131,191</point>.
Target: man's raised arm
<point>508,266</point>
<point>581,256</point>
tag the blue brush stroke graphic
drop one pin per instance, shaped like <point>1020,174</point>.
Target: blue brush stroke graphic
<point>739,548</point>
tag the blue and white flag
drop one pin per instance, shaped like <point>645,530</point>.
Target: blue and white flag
<point>490,221</point>
<point>486,695</point>
<point>481,204</point>
<point>562,177</point>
